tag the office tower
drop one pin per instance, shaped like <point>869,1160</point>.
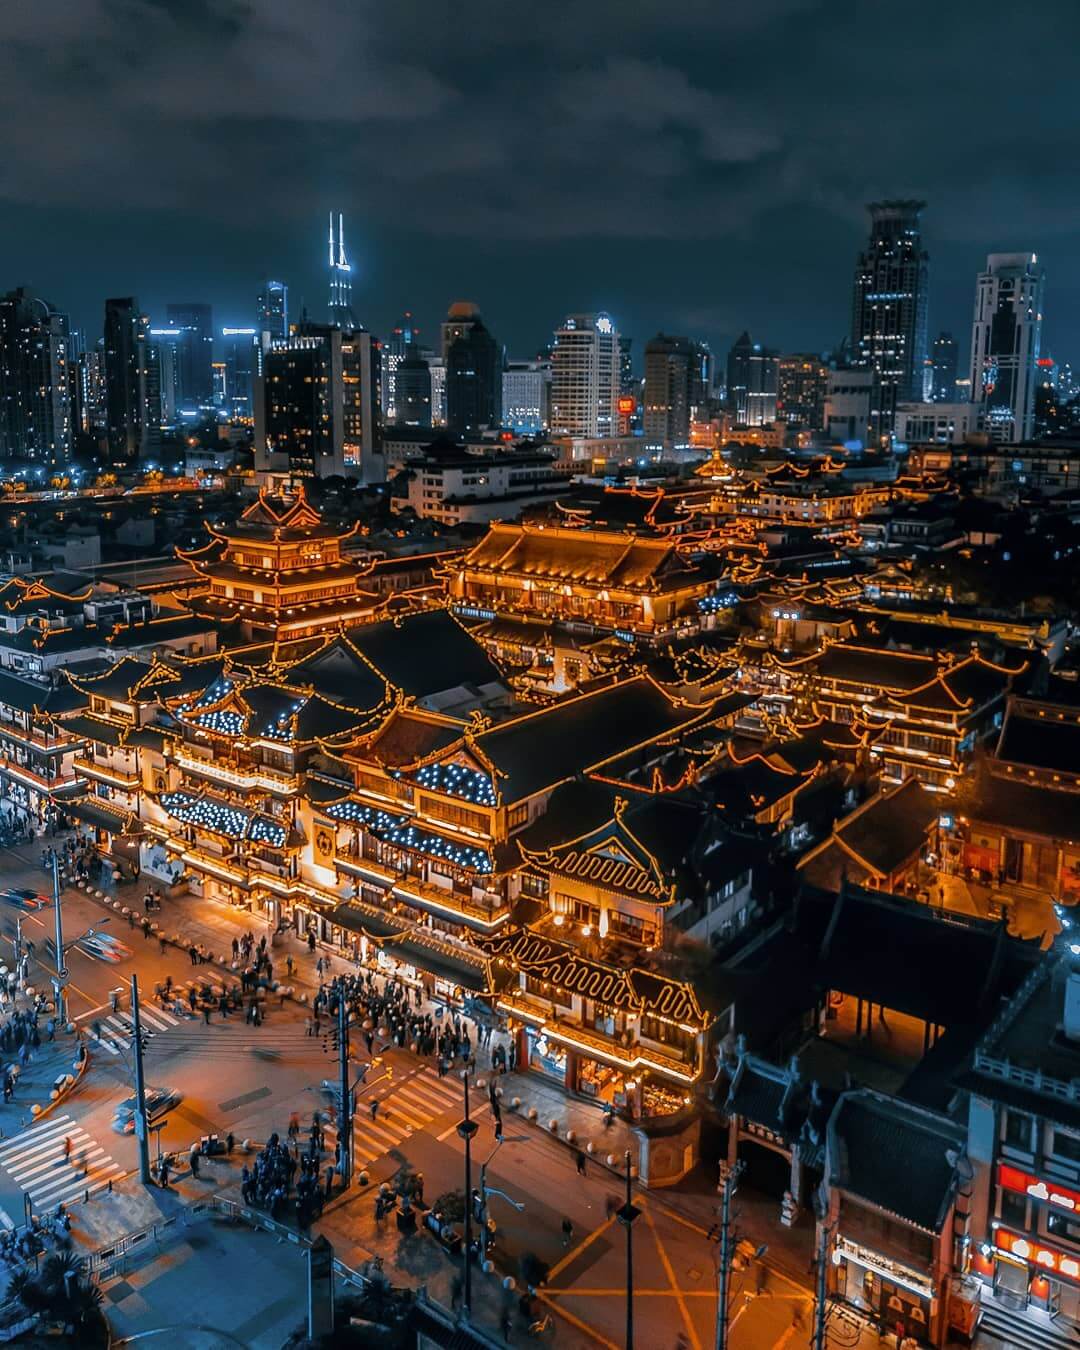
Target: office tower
<point>888,323</point>
<point>412,399</point>
<point>752,382</point>
<point>272,310</point>
<point>394,350</point>
<point>673,386</point>
<point>340,308</point>
<point>164,362</point>
<point>317,406</point>
<point>125,378</point>
<point>437,368</point>
<point>802,385</point>
<point>459,320</point>
<point>627,383</point>
<point>241,347</point>
<point>76,363</point>
<point>473,380</point>
<point>1005,343</point>
<point>195,354</point>
<point>526,397</point>
<point>586,368</point>
<point>35,389</point>
<point>943,357</point>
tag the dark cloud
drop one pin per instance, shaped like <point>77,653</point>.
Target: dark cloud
<point>700,165</point>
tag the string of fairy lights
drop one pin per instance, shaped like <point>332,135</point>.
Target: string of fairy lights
<point>220,818</point>
<point>458,780</point>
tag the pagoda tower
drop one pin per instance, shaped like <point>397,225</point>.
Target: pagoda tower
<point>278,574</point>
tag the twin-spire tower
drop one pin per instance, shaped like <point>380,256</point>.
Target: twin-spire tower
<point>341,311</point>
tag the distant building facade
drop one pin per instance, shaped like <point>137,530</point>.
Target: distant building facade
<point>1005,338</point>
<point>586,374</point>
<point>35,379</point>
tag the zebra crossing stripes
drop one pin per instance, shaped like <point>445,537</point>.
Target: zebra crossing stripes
<point>41,1163</point>
<point>405,1106</point>
<point>116,1030</point>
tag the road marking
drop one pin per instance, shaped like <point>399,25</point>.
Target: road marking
<point>571,1256</point>
<point>778,1345</point>
<point>39,1161</point>
<point>674,1282</point>
<point>576,1321</point>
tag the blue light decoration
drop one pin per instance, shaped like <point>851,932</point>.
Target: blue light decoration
<point>356,813</point>
<point>222,720</point>
<point>716,601</point>
<point>205,813</point>
<point>458,780</point>
<point>263,830</point>
<point>473,612</point>
<point>213,693</point>
<point>435,846</point>
<point>624,635</point>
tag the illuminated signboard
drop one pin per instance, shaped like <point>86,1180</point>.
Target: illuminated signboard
<point>1047,1260</point>
<point>626,405</point>
<point>1060,1197</point>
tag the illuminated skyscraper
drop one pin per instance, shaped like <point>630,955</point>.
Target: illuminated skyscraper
<point>241,346</point>
<point>35,388</point>
<point>272,310</point>
<point>943,357</point>
<point>340,308</point>
<point>195,354</point>
<point>396,349</point>
<point>473,380</point>
<point>125,378</point>
<point>752,382</point>
<point>888,321</point>
<point>1005,341</point>
<point>586,368</point>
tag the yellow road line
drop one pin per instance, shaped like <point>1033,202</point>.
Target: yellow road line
<point>570,1256</point>
<point>697,1228</point>
<point>670,1273</point>
<point>577,1321</point>
<point>638,1293</point>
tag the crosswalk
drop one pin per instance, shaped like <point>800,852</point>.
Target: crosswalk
<point>50,1172</point>
<point>405,1106</point>
<point>116,1029</point>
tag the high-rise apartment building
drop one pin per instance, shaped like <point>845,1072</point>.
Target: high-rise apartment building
<point>888,321</point>
<point>240,351</point>
<point>1005,341</point>
<point>526,397</point>
<point>676,381</point>
<point>35,380</point>
<point>125,378</point>
<point>473,380</point>
<point>586,371</point>
<point>437,370</point>
<point>944,355</point>
<point>195,354</point>
<point>752,382</point>
<point>317,404</point>
<point>802,386</point>
<point>395,349</point>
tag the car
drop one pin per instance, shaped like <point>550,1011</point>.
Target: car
<point>102,948</point>
<point>159,1102</point>
<point>23,899</point>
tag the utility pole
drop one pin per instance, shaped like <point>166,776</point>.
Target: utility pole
<point>18,952</point>
<point>466,1129</point>
<point>345,1109</point>
<point>626,1216</point>
<point>142,1131</point>
<point>729,1179</point>
<point>61,962</point>
<point>821,1311</point>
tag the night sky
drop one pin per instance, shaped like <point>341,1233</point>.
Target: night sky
<point>699,166</point>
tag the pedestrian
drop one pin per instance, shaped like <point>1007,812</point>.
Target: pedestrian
<point>580,1160</point>
<point>193,1158</point>
<point>289,966</point>
<point>146,929</point>
<point>164,1172</point>
<point>311,942</point>
<point>206,1013</point>
<point>161,940</point>
<point>374,1107</point>
<point>193,955</point>
<point>230,1142</point>
<point>567,1232</point>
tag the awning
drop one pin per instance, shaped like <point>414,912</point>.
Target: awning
<point>440,963</point>
<point>363,919</point>
<point>93,811</point>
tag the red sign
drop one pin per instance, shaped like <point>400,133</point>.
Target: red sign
<point>626,405</point>
<point>1025,1183</point>
<point>1047,1260</point>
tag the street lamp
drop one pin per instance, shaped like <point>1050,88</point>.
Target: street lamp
<point>626,1215</point>
<point>485,1191</point>
<point>466,1129</point>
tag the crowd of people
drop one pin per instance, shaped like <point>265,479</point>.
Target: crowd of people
<point>268,1183</point>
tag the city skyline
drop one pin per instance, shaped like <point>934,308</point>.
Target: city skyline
<point>716,155</point>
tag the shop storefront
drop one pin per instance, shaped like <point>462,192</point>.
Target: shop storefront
<point>546,1056</point>
<point>1031,1273</point>
<point>900,1299</point>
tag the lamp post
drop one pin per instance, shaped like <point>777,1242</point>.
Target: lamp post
<point>626,1215</point>
<point>466,1129</point>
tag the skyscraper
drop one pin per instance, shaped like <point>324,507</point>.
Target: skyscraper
<point>394,350</point>
<point>317,404</point>
<point>195,353</point>
<point>586,366</point>
<point>944,356</point>
<point>888,320</point>
<point>752,382</point>
<point>241,346</point>
<point>35,389</point>
<point>460,317</point>
<point>163,364</point>
<point>412,399</point>
<point>526,397</point>
<point>340,307</point>
<point>802,384</point>
<point>473,380</point>
<point>1005,341</point>
<point>125,378</point>
<point>673,388</point>
<point>272,309</point>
